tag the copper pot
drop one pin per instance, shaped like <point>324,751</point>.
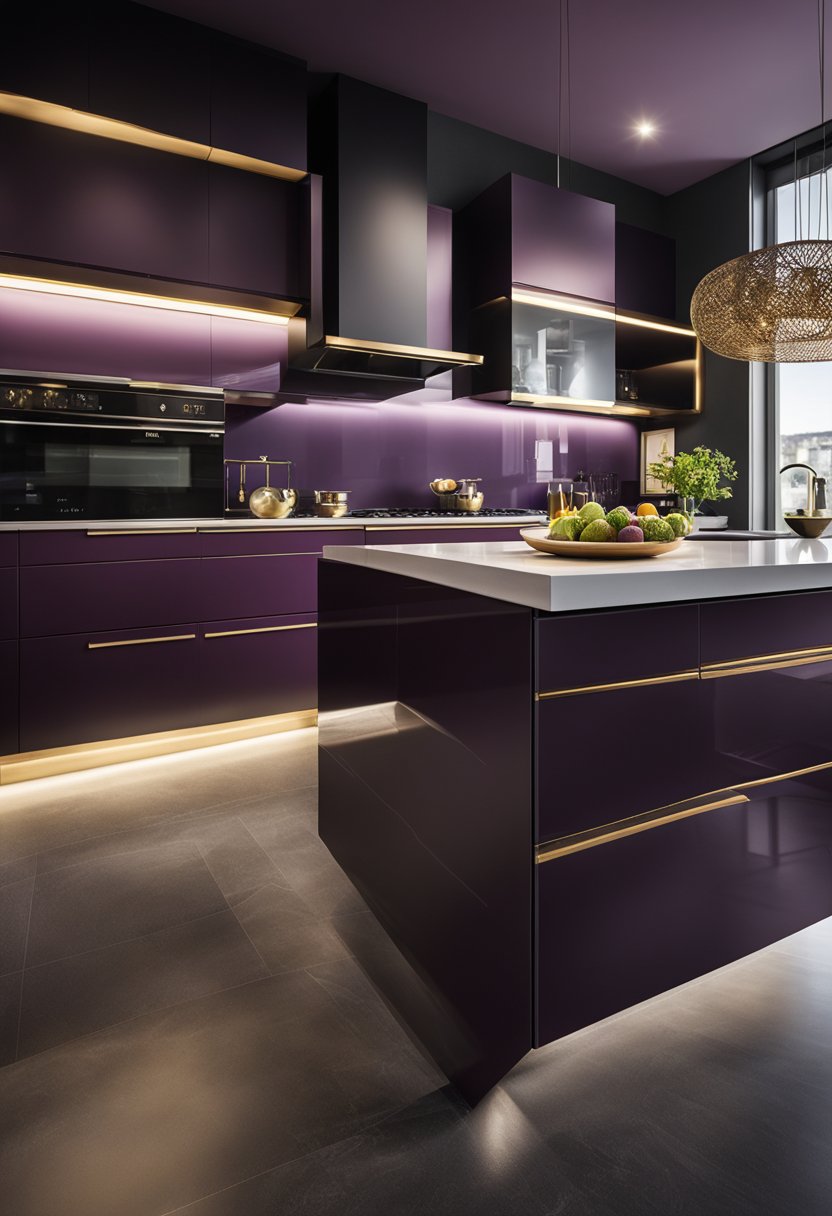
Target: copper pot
<point>331,504</point>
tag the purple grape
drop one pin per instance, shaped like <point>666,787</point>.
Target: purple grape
<point>631,533</point>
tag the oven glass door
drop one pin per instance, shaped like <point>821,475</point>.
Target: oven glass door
<point>66,470</point>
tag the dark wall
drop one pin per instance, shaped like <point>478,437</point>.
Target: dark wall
<point>463,160</point>
<point>711,224</point>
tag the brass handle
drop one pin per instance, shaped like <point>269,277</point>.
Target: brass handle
<point>439,526</point>
<point>576,843</point>
<point>171,637</point>
<point>767,662</point>
<point>279,527</point>
<point>140,531</point>
<point>235,633</point>
<point>674,678</point>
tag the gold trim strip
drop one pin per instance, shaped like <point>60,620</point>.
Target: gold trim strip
<point>27,766</point>
<point>577,843</point>
<point>674,678</point>
<point>258,530</point>
<point>797,772</point>
<point>233,633</point>
<point>410,352</point>
<point>54,115</point>
<point>239,557</point>
<point>171,637</point>
<point>141,531</point>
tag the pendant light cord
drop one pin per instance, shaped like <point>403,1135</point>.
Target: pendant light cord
<point>564,88</point>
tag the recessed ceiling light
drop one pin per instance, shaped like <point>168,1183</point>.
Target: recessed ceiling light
<point>645,128</point>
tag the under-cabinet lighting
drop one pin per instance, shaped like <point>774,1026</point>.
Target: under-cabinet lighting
<point>662,326</point>
<point>113,296</point>
<point>410,352</point>
<point>53,115</point>
<point>547,299</point>
<point>580,404</point>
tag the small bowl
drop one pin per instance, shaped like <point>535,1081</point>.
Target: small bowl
<point>809,527</point>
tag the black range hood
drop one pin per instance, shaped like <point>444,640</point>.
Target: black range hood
<point>366,333</point>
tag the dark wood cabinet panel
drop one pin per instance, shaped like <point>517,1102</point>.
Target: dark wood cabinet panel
<point>258,102</point>
<point>151,69</point>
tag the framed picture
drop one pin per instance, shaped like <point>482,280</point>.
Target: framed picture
<point>654,446</point>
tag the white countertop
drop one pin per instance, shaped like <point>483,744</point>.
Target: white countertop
<point>246,521</point>
<point>511,571</point>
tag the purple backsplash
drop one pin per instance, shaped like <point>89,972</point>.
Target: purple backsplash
<point>386,454</point>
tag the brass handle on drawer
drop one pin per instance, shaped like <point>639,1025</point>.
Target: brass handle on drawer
<point>673,678</point>
<point>235,633</point>
<point>171,637</point>
<point>140,531</point>
<point>767,662</point>
<point>576,843</point>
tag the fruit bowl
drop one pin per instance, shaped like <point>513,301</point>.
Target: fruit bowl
<point>539,539</point>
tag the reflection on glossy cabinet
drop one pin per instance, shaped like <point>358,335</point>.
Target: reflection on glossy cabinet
<point>8,697</point>
<point>260,666</point>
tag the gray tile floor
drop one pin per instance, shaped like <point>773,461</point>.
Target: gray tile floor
<point>183,1029</point>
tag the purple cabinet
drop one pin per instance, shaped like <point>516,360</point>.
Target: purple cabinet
<point>46,57</point>
<point>280,538</point>
<point>259,666</point>
<point>761,629</point>
<point>8,549</point>
<point>8,697</point>
<point>103,544</point>
<point>258,102</point>
<point>174,96</point>
<point>8,602</point>
<point>102,595</point>
<point>90,686</point>
<point>624,920</point>
<point>253,234</point>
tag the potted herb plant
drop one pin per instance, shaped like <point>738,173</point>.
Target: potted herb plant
<point>695,476</point>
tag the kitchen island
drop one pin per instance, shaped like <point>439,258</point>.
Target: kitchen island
<point>565,786</point>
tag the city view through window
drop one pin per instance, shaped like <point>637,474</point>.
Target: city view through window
<point>804,390</point>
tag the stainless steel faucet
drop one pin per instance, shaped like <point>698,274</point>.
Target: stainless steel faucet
<point>813,485</point>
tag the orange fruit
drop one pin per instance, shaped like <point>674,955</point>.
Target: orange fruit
<point>646,508</point>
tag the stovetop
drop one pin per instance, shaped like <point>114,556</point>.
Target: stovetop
<point>431,513</point>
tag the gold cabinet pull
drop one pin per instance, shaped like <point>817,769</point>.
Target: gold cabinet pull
<point>235,633</point>
<point>171,637</point>
<point>565,845</point>
<point>673,678</point>
<point>140,531</point>
<point>767,662</point>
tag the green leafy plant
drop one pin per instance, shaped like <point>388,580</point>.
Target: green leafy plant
<point>695,476</point>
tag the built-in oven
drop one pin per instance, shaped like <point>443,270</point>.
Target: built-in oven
<point>104,449</point>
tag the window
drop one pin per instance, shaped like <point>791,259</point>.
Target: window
<point>802,391</point>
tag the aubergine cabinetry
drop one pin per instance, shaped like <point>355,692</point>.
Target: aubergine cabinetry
<point>556,815</point>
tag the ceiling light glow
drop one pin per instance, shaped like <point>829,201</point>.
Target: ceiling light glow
<point>645,129</point>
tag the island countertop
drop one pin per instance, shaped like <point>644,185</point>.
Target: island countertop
<point>697,570</point>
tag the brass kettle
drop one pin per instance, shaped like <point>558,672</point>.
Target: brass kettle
<point>272,502</point>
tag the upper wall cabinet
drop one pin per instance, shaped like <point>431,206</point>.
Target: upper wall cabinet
<point>534,290</point>
<point>258,102</point>
<point>46,55</point>
<point>150,69</point>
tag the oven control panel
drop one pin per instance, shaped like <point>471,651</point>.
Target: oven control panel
<point>49,397</point>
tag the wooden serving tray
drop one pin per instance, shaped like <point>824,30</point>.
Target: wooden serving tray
<point>538,539</point>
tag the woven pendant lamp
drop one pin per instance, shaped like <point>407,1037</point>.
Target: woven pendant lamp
<point>772,305</point>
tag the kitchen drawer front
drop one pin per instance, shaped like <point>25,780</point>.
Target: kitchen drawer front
<point>8,698</point>
<point>593,648</point>
<point>624,920</point>
<point>766,627</point>
<point>99,596</point>
<point>269,585</point>
<point>8,603</point>
<point>8,549</point>
<point>418,534</point>
<point>604,756</point>
<point>229,542</point>
<point>107,544</point>
<point>87,687</point>
<point>259,666</point>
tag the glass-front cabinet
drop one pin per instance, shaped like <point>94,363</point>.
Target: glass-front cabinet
<point>562,351</point>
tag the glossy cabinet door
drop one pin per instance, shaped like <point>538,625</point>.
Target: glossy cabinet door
<point>150,69</point>
<point>254,233</point>
<point>8,697</point>
<point>624,920</point>
<point>421,535</point>
<point>46,57</point>
<point>85,687</point>
<point>258,102</point>
<point>107,544</point>
<point>259,666</point>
